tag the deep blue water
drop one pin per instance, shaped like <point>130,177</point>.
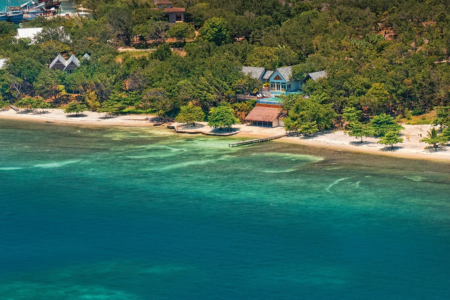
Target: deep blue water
<point>94,213</point>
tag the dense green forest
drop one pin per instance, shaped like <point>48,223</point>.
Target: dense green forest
<point>382,56</point>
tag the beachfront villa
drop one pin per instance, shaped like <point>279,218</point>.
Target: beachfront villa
<point>268,111</point>
<point>60,63</point>
<point>174,14</point>
<point>281,80</point>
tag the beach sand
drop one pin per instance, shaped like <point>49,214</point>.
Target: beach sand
<point>337,140</point>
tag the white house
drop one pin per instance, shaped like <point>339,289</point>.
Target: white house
<point>2,62</point>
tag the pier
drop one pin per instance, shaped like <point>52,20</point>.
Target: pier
<point>249,142</point>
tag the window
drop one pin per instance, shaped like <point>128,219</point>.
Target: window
<point>278,86</point>
<point>272,85</point>
<point>288,86</point>
<point>178,19</point>
<point>283,86</point>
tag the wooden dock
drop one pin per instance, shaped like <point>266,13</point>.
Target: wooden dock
<point>249,142</point>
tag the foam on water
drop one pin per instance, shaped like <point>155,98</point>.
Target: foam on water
<point>56,164</point>
<point>337,181</point>
<point>30,290</point>
<point>10,168</point>
<point>415,178</point>
<point>292,157</point>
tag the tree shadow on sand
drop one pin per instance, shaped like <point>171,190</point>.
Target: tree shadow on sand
<point>431,149</point>
<point>390,148</point>
<point>359,143</point>
<point>76,116</point>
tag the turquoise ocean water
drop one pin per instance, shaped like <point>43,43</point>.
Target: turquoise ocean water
<point>96,213</point>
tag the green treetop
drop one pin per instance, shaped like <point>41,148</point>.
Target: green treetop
<point>75,107</point>
<point>190,114</point>
<point>390,139</point>
<point>352,115</point>
<point>181,31</point>
<point>222,116</point>
<point>215,30</point>
<point>359,130</point>
<point>308,115</point>
<point>111,107</point>
<point>384,123</point>
<point>25,102</point>
<point>445,135</point>
<point>442,116</point>
<point>3,103</point>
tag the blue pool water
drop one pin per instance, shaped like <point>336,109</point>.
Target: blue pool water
<point>271,100</point>
<point>95,213</point>
<point>284,93</point>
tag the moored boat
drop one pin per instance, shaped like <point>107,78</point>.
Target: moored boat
<point>14,16</point>
<point>51,4</point>
<point>3,16</point>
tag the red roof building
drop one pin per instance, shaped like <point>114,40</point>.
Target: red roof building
<point>174,14</point>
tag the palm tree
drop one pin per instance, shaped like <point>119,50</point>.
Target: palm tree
<point>433,138</point>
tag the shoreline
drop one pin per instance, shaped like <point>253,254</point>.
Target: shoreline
<point>337,141</point>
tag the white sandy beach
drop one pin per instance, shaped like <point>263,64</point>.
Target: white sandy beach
<point>338,140</point>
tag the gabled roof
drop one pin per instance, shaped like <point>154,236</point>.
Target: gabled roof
<point>2,62</point>
<point>317,75</point>
<point>267,75</point>
<point>86,56</point>
<point>286,72</point>
<point>264,114</point>
<point>254,72</point>
<point>74,60</point>
<point>60,59</point>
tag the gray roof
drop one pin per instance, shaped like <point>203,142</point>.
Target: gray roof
<point>267,75</point>
<point>317,75</point>
<point>2,62</point>
<point>58,58</point>
<point>286,72</point>
<point>254,72</point>
<point>86,56</point>
<point>74,60</point>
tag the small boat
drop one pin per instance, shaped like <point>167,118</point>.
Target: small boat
<point>3,16</point>
<point>14,16</point>
<point>51,4</point>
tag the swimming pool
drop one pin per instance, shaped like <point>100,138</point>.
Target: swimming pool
<point>271,100</point>
<point>283,93</point>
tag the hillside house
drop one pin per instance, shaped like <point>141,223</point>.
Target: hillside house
<point>281,79</point>
<point>174,14</point>
<point>60,63</point>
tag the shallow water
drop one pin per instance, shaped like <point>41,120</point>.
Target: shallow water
<point>95,213</point>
